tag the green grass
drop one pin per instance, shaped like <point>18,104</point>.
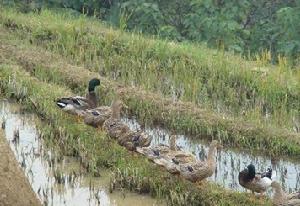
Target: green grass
<point>211,79</point>
<point>97,150</point>
<point>150,107</point>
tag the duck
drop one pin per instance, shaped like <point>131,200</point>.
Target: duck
<point>153,152</point>
<point>96,117</point>
<point>77,105</point>
<point>170,157</point>
<point>281,198</point>
<point>195,171</point>
<point>256,182</point>
<point>114,127</point>
<point>133,139</point>
<point>120,131</point>
<point>172,160</point>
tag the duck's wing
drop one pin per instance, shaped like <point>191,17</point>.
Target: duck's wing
<point>167,163</point>
<point>152,152</point>
<point>194,171</point>
<point>259,184</point>
<point>80,102</point>
<point>115,128</point>
<point>140,139</point>
<point>103,110</point>
<point>184,157</point>
<point>99,112</point>
<point>293,202</point>
<point>77,102</point>
<point>295,195</point>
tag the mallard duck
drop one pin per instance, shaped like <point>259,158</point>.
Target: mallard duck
<point>157,151</point>
<point>96,117</point>
<point>153,152</point>
<point>256,182</point>
<point>131,140</point>
<point>167,156</point>
<point>76,105</point>
<point>281,198</point>
<point>198,170</point>
<point>173,160</point>
<point>113,125</point>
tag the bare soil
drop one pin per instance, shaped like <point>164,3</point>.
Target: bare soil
<point>15,189</point>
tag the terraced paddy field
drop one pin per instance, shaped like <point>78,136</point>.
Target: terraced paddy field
<point>199,95</point>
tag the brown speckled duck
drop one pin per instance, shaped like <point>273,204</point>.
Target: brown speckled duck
<point>120,131</point>
<point>256,182</point>
<point>198,170</point>
<point>170,156</point>
<point>173,160</point>
<point>131,140</point>
<point>113,125</point>
<point>96,117</point>
<point>281,198</point>
<point>76,105</point>
<point>153,152</point>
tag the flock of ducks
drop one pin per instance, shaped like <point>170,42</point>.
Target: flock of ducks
<point>171,157</point>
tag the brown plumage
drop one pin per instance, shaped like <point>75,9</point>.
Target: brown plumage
<point>131,140</point>
<point>169,157</point>
<point>96,117</point>
<point>172,160</point>
<point>113,125</point>
<point>198,170</point>
<point>120,131</point>
<point>153,152</point>
<point>281,198</point>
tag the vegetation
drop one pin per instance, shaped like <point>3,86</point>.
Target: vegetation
<point>240,26</point>
<point>96,150</point>
<point>219,80</point>
<point>153,108</point>
<point>47,54</point>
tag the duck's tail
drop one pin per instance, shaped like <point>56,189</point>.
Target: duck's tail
<point>61,103</point>
<point>273,175</point>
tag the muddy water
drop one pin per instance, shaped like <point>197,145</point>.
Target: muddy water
<point>230,162</point>
<point>60,182</point>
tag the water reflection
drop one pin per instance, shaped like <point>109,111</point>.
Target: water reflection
<point>229,162</point>
<point>62,181</point>
<point>58,180</point>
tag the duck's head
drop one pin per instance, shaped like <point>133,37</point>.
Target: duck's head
<point>93,83</point>
<point>251,171</point>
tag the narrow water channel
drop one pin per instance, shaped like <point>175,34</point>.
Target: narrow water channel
<point>229,161</point>
<point>76,187</point>
<point>58,183</point>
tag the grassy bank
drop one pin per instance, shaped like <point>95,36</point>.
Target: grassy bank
<point>150,107</point>
<point>219,80</point>
<point>97,150</point>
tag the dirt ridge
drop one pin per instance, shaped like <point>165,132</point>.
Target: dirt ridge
<point>15,189</point>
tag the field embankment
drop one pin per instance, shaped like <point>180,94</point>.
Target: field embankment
<point>97,150</point>
<point>148,106</point>
<point>14,186</point>
<point>221,81</point>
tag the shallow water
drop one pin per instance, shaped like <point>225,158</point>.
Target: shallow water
<point>229,162</point>
<point>76,189</point>
<point>59,182</point>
